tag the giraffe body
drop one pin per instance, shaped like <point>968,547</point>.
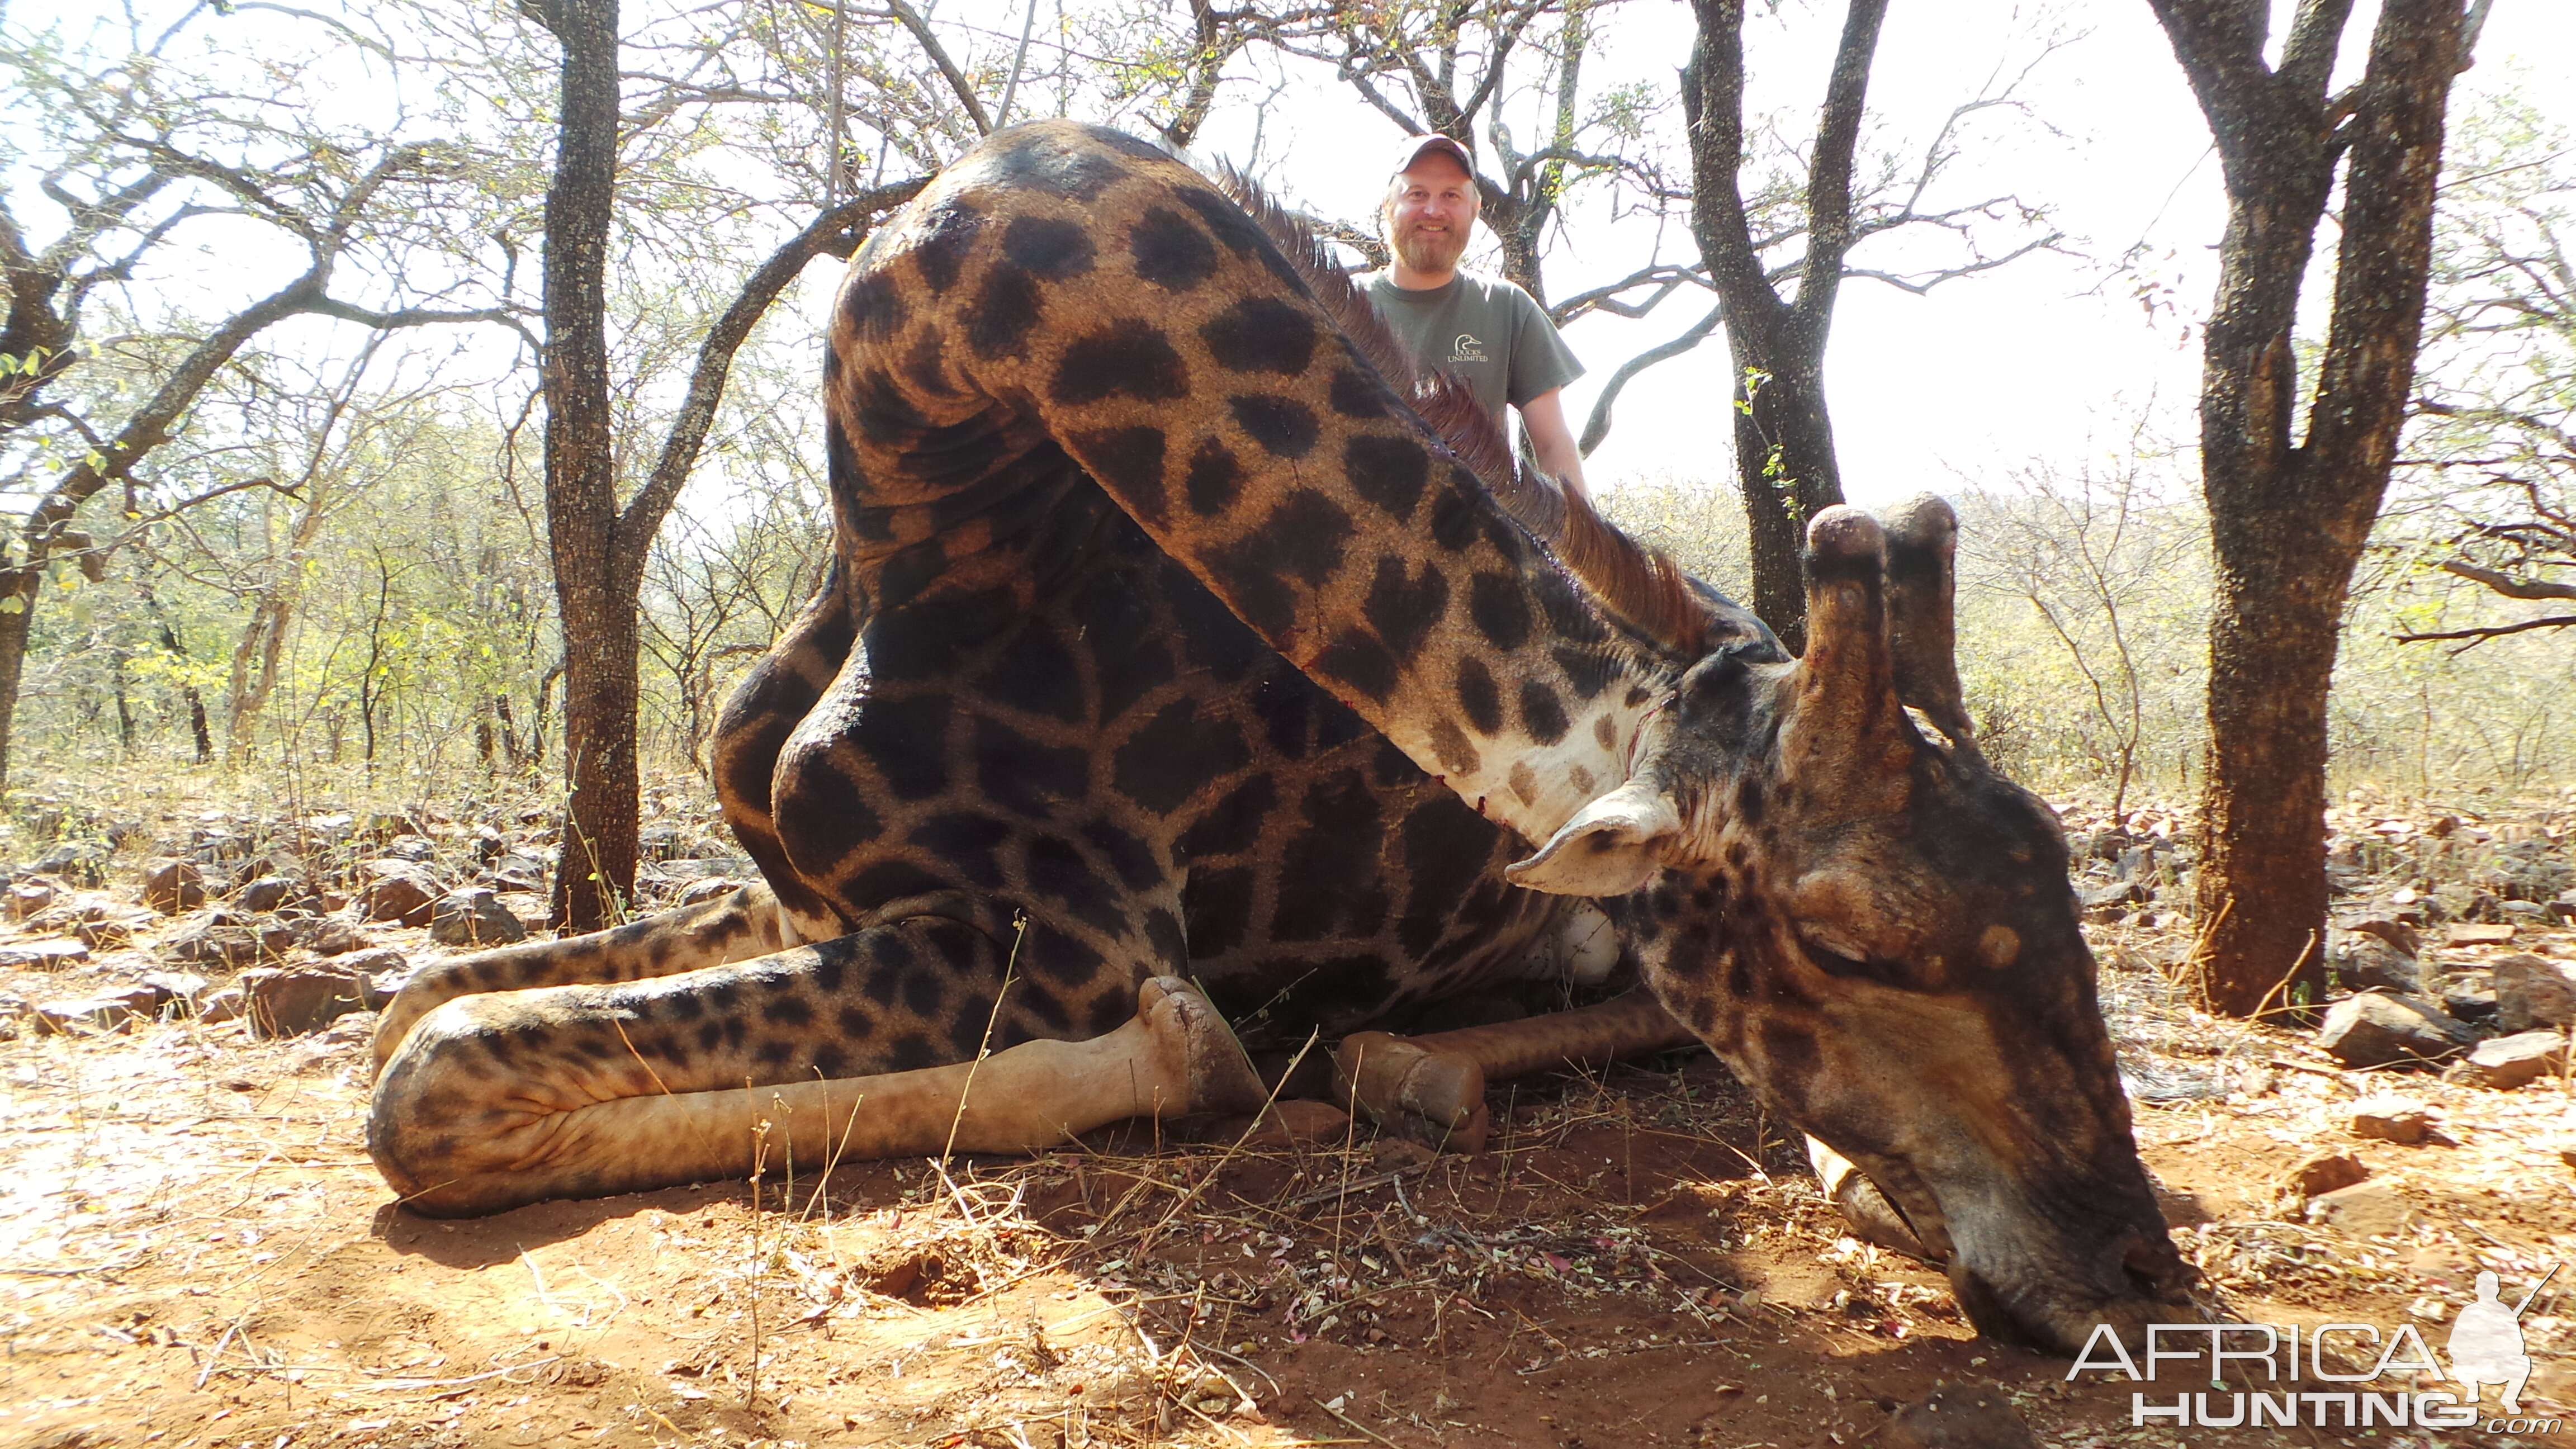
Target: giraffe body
<point>1164,637</point>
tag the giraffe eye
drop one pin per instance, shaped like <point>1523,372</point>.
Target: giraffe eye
<point>1838,955</point>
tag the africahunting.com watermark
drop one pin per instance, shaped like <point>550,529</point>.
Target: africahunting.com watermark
<point>2486,1349</point>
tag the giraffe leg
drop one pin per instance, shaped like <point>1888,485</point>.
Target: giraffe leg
<point>1434,1086</point>
<point>573,1135</point>
<point>734,927</point>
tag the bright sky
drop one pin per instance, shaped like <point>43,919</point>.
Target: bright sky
<point>2052,356</point>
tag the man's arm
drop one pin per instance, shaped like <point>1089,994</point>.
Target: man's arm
<point>1552,443</point>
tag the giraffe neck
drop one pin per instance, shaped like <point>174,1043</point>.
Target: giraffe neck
<point>1107,296</point>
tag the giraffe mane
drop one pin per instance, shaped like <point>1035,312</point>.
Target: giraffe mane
<point>1642,586</point>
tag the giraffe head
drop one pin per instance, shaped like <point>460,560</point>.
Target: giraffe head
<point>1872,925</point>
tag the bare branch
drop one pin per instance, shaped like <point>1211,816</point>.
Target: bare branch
<point>1597,426</point>
<point>837,230</point>
<point>938,54</point>
<point>2484,632</point>
<point>2506,584</point>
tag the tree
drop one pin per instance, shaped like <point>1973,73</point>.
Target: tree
<point>2289,515</point>
<point>133,167</point>
<point>2085,551</point>
<point>1784,443</point>
<point>2497,451</point>
<point>599,544</point>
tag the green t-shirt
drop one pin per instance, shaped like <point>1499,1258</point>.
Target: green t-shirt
<point>1489,333</point>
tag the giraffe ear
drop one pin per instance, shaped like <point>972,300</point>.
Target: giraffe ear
<point>1611,847</point>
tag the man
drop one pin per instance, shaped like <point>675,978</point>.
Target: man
<point>1487,332</point>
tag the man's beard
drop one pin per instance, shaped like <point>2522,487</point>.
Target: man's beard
<point>1430,251</point>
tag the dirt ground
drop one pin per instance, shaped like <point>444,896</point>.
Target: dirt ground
<point>195,1250</point>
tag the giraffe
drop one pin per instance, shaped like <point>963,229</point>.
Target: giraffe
<point>1183,672</point>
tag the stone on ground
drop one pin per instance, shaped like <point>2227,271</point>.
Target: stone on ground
<point>2375,1030</point>
<point>2324,1173</point>
<point>116,1009</point>
<point>397,890</point>
<point>290,1001</point>
<point>171,885</point>
<point>2534,991</point>
<point>270,892</point>
<point>28,898</point>
<point>2507,1062</point>
<point>473,916</point>
<point>2367,960</point>
<point>223,940</point>
<point>2373,1209</point>
<point>2388,1117</point>
<point>49,954</point>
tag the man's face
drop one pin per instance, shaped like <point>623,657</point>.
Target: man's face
<point>1430,208</point>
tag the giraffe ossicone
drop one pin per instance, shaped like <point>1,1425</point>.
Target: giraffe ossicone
<point>1175,631</point>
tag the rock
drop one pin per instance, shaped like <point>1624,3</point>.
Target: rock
<point>290,1001</point>
<point>2375,1030</point>
<point>534,912</point>
<point>2324,1173</point>
<point>2506,1062</point>
<point>711,888</point>
<point>2366,960</point>
<point>517,872</point>
<point>2533,991</point>
<point>2471,934</point>
<point>2388,1117</point>
<point>185,986</point>
<point>220,1006</point>
<point>398,891</point>
<point>228,941</point>
<point>2364,1210</point>
<point>473,917</point>
<point>1959,1416</point>
<point>30,897</point>
<point>268,893</point>
<point>380,973</point>
<point>80,861</point>
<point>2470,997</point>
<point>49,954</point>
<point>330,935</point>
<point>114,1010</point>
<point>334,1042</point>
<point>417,849</point>
<point>2104,897</point>
<point>2387,928</point>
<point>171,885</point>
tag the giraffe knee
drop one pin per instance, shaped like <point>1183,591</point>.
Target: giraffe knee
<point>451,1107</point>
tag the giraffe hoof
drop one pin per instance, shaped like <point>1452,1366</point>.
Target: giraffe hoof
<point>1437,1098</point>
<point>1220,1075</point>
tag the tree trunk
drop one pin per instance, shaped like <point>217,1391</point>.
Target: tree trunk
<point>17,585</point>
<point>1784,438</point>
<point>1784,462</point>
<point>2287,523</point>
<point>597,872</point>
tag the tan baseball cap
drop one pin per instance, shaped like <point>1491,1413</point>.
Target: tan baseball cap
<point>1413,148</point>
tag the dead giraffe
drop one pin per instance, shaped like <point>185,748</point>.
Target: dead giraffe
<point>1165,638</point>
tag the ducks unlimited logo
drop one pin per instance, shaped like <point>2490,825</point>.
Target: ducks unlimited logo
<point>2486,1348</point>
